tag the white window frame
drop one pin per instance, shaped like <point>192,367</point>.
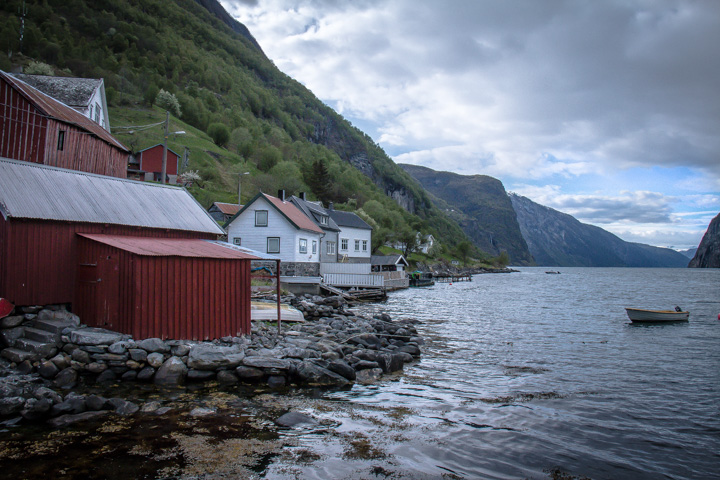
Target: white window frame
<point>364,245</point>
<point>323,219</point>
<point>302,245</point>
<point>314,247</point>
<point>357,245</point>
<point>268,245</point>
<point>330,248</point>
<point>258,223</point>
<point>343,244</point>
<point>237,241</point>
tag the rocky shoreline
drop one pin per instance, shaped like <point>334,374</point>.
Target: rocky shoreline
<point>49,356</point>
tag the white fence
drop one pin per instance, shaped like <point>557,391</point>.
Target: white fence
<point>355,268</point>
<point>353,280</point>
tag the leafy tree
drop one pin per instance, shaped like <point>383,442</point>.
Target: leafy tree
<point>463,249</point>
<point>168,101</point>
<point>502,260</point>
<point>407,238</point>
<point>39,68</point>
<point>151,93</point>
<point>219,133</point>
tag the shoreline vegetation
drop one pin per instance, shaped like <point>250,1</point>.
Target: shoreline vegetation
<point>333,348</point>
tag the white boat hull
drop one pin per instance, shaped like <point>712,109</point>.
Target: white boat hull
<point>640,315</point>
<point>267,311</point>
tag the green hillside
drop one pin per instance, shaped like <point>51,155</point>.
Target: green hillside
<point>239,111</point>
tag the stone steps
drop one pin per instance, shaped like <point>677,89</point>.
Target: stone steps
<point>40,335</point>
<point>18,356</point>
<point>42,349</point>
<point>53,325</point>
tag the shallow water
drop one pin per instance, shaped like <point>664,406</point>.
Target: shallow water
<point>524,375</point>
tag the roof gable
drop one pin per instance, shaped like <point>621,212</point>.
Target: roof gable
<point>56,110</point>
<point>74,92</point>
<point>314,212</point>
<point>291,213</point>
<point>228,208</point>
<point>30,190</point>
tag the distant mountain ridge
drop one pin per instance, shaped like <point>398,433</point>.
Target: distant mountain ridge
<point>708,252</point>
<point>480,205</point>
<point>558,239</point>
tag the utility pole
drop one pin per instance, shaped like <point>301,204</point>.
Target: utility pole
<point>164,164</point>
<point>240,177</point>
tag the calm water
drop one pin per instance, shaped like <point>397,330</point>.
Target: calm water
<point>525,373</point>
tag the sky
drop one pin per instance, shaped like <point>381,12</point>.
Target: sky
<point>606,110</point>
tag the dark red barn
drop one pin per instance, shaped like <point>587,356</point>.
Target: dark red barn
<point>53,222</point>
<point>37,128</point>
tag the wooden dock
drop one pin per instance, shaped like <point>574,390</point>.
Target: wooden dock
<point>450,278</point>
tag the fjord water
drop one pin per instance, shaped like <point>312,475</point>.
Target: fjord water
<point>528,373</point>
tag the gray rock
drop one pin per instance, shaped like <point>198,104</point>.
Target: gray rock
<point>155,360</point>
<point>109,358</point>
<point>8,336</point>
<point>11,405</point>
<point>25,367</point>
<point>10,322</point>
<point>65,420</point>
<point>61,361</point>
<point>35,409</point>
<point>80,356</point>
<point>108,376</point>
<point>146,374</point>
<point>276,381</point>
<point>138,354</point>
<point>312,374</point>
<point>226,377</point>
<point>66,378</point>
<point>368,376</point>
<point>44,392</point>
<point>118,348</point>
<point>97,402</point>
<point>123,407</point>
<point>48,370</point>
<point>365,364</point>
<point>180,350</point>
<point>96,367</point>
<point>201,412</point>
<point>266,362</point>
<point>249,374</point>
<point>206,356</point>
<point>293,419</point>
<point>152,345</point>
<point>411,349</point>
<point>94,336</point>
<point>129,376</point>
<point>150,407</point>
<point>342,368</point>
<point>172,372</point>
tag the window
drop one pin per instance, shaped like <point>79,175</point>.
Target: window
<point>303,245</point>
<point>344,244</point>
<point>364,245</point>
<point>237,241</point>
<point>261,218</point>
<point>61,139</point>
<point>273,244</point>
<point>314,251</point>
<point>331,248</point>
<point>357,245</point>
<point>323,219</point>
<point>97,113</point>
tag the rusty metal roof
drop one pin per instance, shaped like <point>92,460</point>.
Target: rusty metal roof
<point>59,111</point>
<point>31,190</point>
<point>170,247</point>
<point>228,208</point>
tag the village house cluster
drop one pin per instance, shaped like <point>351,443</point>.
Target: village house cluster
<point>142,258</point>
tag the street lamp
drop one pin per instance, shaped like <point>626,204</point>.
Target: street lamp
<point>240,184</point>
<point>167,133</point>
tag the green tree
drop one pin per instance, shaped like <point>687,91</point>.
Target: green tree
<point>219,133</point>
<point>320,181</point>
<point>151,93</point>
<point>168,101</point>
<point>463,250</point>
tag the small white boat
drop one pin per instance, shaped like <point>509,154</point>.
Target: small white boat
<point>267,311</point>
<point>640,315</point>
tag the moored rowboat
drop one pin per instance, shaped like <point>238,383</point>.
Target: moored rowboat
<point>640,315</point>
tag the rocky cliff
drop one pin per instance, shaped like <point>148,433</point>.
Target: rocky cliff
<point>481,207</point>
<point>557,239</point>
<point>708,253</point>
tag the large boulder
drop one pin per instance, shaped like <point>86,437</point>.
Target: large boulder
<point>172,372</point>
<point>95,336</point>
<point>315,375</point>
<point>207,356</point>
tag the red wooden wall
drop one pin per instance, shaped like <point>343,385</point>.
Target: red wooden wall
<point>151,161</point>
<point>164,297</point>
<point>37,257</point>
<point>22,129</point>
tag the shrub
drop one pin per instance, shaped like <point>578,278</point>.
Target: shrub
<point>219,133</point>
<point>168,101</point>
<point>39,68</point>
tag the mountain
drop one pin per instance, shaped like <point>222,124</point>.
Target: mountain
<point>689,253</point>
<point>708,252</point>
<point>557,239</point>
<point>481,207</point>
<point>216,79</point>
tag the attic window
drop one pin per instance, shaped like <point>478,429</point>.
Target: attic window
<point>261,218</point>
<point>324,220</point>
<point>61,140</point>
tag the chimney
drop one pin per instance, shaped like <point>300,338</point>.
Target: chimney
<point>331,206</point>
<point>281,195</point>
<point>302,196</point>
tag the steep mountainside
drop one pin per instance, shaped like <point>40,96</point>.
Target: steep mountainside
<point>708,253</point>
<point>689,253</point>
<point>558,239</point>
<point>482,208</point>
<point>220,82</point>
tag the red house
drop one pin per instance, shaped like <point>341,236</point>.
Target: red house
<point>130,256</point>
<point>148,165</point>
<point>37,128</point>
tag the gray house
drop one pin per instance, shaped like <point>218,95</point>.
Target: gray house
<point>318,214</point>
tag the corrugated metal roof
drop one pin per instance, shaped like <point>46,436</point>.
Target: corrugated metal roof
<point>228,208</point>
<point>348,219</point>
<point>30,190</point>
<point>170,247</point>
<point>248,251</point>
<point>59,111</point>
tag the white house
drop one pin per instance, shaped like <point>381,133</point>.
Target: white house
<point>355,237</point>
<point>270,225</point>
<point>86,95</point>
<point>322,219</point>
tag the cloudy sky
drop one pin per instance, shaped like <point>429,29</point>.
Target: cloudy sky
<point>606,110</point>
